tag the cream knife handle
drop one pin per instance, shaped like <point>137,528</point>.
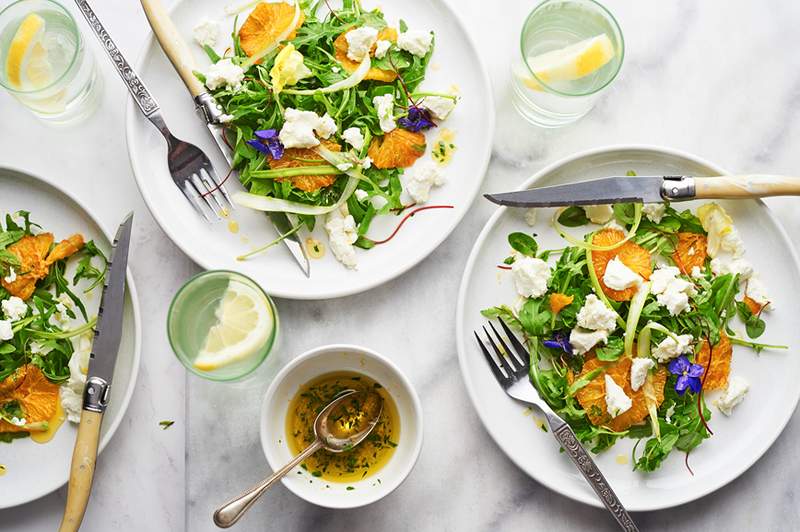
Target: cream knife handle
<point>81,472</point>
<point>173,44</point>
<point>746,186</point>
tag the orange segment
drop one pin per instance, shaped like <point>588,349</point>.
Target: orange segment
<point>716,378</point>
<point>299,157</point>
<point>558,301</point>
<point>631,255</point>
<point>340,47</point>
<point>592,397</point>
<point>754,307</point>
<point>66,248</point>
<point>399,148</point>
<point>36,395</point>
<point>690,252</point>
<point>31,252</point>
<point>265,24</point>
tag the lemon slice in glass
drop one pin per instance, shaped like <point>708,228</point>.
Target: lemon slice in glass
<point>569,63</point>
<point>27,65</point>
<point>244,324</point>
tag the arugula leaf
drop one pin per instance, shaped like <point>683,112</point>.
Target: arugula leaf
<point>611,351</point>
<point>535,317</point>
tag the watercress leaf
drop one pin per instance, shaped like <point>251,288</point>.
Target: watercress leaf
<point>573,216</point>
<point>612,350</point>
<point>525,244</point>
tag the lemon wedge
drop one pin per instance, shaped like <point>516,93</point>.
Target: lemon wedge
<point>244,323</point>
<point>569,63</point>
<point>27,65</point>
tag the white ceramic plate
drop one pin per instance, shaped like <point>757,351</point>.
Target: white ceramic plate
<point>34,470</point>
<point>329,359</point>
<point>455,61</point>
<point>738,441</point>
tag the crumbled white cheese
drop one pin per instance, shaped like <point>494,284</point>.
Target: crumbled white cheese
<point>335,69</point>
<point>614,225</point>
<point>384,106</point>
<point>531,276</point>
<point>299,127</point>
<point>725,263</point>
<point>697,272</point>
<point>654,212</point>
<point>616,401</point>
<point>639,368</point>
<point>206,32</point>
<point>758,293</point>
<point>354,137</point>
<point>224,73</point>
<point>11,277</point>
<point>668,348</point>
<point>6,332</point>
<point>595,315</point>
<point>72,390</point>
<point>361,195</point>
<point>366,163</point>
<point>342,233</point>
<point>419,183</point>
<point>530,217</point>
<point>671,291</point>
<point>599,214</point>
<point>14,308</point>
<point>733,395</point>
<point>359,42</point>
<point>344,167</point>
<point>439,106</point>
<point>415,42</point>
<point>582,340</point>
<point>619,277</point>
<point>38,348</point>
<point>382,47</point>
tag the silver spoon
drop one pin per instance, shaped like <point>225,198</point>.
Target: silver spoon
<point>357,414</point>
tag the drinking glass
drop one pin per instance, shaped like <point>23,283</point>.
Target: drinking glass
<point>44,63</point>
<point>568,87</point>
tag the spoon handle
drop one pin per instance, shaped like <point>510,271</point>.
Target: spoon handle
<point>230,512</point>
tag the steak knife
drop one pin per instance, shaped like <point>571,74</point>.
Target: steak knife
<point>651,189</point>
<point>98,382</point>
<point>181,57</point>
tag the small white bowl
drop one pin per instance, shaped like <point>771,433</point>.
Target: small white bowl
<point>328,359</point>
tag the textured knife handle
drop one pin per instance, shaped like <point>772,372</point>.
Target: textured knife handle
<point>587,467</point>
<point>173,44</point>
<point>746,186</point>
<point>135,86</point>
<point>81,471</point>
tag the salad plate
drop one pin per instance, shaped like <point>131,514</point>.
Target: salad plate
<point>32,470</point>
<point>738,440</point>
<point>454,66</point>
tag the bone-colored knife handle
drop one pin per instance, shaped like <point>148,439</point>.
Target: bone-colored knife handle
<point>746,186</point>
<point>81,472</point>
<point>173,44</point>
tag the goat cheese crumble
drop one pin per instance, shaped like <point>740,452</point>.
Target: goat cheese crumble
<point>531,276</point>
<point>415,42</point>
<point>6,332</point>
<point>639,368</point>
<point>616,401</point>
<point>206,32</point>
<point>382,47</point>
<point>342,233</point>
<point>72,391</point>
<point>299,127</point>
<point>11,277</point>
<point>384,106</point>
<point>354,137</point>
<point>439,106</point>
<point>530,217</point>
<point>669,348</point>
<point>595,315</point>
<point>671,291</point>
<point>654,212</point>
<point>359,42</point>
<point>619,277</point>
<point>14,308</point>
<point>425,177</point>
<point>733,395</point>
<point>599,214</point>
<point>582,340</point>
<point>224,73</point>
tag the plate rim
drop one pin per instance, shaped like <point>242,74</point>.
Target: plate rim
<point>277,291</point>
<point>580,496</point>
<point>137,329</point>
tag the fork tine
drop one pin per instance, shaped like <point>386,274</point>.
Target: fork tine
<point>210,192</point>
<point>512,354</point>
<point>519,349</point>
<point>198,186</point>
<point>504,361</point>
<point>215,188</point>
<point>492,364</point>
<point>219,186</point>
<point>195,199</point>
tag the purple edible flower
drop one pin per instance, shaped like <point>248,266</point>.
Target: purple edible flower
<point>688,374</point>
<point>418,118</point>
<point>560,340</point>
<point>268,143</point>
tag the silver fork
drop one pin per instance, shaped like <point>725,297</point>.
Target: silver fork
<point>190,168</point>
<point>512,374</point>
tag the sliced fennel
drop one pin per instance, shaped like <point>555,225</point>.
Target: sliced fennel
<point>637,304</point>
<point>351,81</point>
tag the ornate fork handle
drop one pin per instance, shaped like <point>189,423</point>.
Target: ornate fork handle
<point>589,470</point>
<point>135,85</point>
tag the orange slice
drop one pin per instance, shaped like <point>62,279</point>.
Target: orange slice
<point>754,307</point>
<point>716,378</point>
<point>340,47</point>
<point>35,258</point>
<point>265,24</point>
<point>37,396</point>
<point>631,255</point>
<point>299,157</point>
<point>592,397</point>
<point>399,148</point>
<point>559,301</point>
<point>690,252</point>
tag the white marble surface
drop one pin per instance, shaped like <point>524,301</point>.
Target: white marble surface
<point>718,78</point>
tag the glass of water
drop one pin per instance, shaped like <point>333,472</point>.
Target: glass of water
<point>570,52</point>
<point>43,61</point>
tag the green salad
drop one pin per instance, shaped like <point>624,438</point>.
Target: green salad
<point>325,117</point>
<point>630,325</point>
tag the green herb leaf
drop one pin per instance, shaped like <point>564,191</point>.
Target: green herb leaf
<point>573,216</point>
<point>525,244</point>
<point>611,351</point>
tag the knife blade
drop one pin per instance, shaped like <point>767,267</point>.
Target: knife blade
<point>651,189</point>
<point>105,347</point>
